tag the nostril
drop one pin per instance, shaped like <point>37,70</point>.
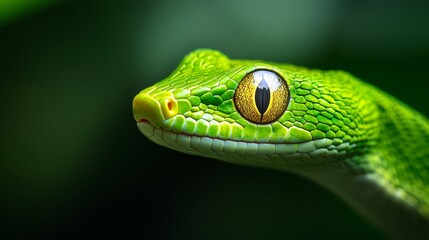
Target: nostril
<point>170,105</point>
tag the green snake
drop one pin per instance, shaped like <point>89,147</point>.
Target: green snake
<point>328,126</point>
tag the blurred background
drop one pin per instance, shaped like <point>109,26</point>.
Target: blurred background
<point>74,164</point>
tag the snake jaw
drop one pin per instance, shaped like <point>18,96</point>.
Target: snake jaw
<point>262,154</point>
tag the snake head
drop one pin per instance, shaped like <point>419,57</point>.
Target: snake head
<point>255,112</point>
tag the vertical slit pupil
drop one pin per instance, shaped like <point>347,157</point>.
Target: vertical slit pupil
<point>262,97</point>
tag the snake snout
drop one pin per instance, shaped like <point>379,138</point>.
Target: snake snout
<point>149,109</point>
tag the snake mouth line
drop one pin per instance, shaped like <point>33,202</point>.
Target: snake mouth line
<point>144,121</point>
<point>193,144</point>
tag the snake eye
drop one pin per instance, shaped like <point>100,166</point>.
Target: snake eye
<point>261,96</point>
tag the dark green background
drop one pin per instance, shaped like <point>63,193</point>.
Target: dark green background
<point>74,165</point>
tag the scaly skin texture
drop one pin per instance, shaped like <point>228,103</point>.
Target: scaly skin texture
<point>348,136</point>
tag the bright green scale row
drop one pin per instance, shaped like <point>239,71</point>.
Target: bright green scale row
<point>350,137</point>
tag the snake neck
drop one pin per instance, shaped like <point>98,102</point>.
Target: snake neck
<point>391,186</point>
<point>401,157</point>
<point>365,194</point>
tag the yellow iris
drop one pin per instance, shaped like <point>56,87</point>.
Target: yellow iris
<point>261,96</point>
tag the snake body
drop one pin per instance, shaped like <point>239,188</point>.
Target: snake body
<point>350,137</point>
